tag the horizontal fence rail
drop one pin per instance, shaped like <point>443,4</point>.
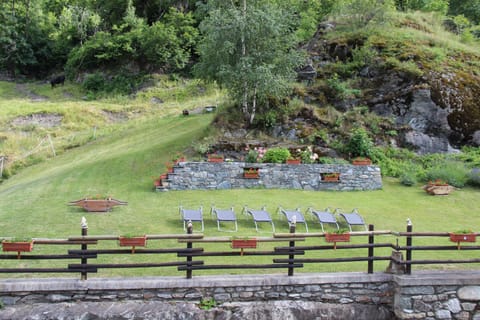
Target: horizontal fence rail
<point>90,254</point>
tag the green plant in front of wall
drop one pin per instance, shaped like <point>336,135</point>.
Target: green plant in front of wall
<point>207,303</point>
<point>276,155</point>
<point>359,144</point>
<point>340,231</point>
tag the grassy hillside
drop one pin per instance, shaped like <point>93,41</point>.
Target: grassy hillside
<point>33,203</point>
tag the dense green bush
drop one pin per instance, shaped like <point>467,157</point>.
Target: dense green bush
<point>408,177</point>
<point>94,82</point>
<point>276,155</point>
<point>474,177</point>
<point>453,172</point>
<point>360,144</point>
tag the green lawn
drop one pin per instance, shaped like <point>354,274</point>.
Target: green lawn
<point>122,164</point>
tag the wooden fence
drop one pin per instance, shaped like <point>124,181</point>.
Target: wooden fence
<point>290,254</point>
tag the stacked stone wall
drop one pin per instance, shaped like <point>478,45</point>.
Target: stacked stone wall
<point>424,295</point>
<point>229,175</point>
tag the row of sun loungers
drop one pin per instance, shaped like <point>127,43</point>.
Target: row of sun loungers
<point>228,216</point>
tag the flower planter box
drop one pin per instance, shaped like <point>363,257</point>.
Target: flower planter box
<point>215,158</point>
<point>361,162</point>
<point>438,189</point>
<point>293,161</point>
<point>244,244</point>
<point>17,246</point>
<point>98,205</point>
<point>462,237</point>
<point>133,242</point>
<point>251,173</point>
<point>337,237</point>
<point>330,177</point>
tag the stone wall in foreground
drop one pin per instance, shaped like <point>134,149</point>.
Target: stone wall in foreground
<point>379,296</point>
<point>229,175</point>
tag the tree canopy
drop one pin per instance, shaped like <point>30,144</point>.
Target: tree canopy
<point>249,48</point>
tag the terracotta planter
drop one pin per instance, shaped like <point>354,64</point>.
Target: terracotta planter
<point>337,237</point>
<point>98,205</point>
<point>293,161</point>
<point>438,189</point>
<point>361,162</point>
<point>331,177</point>
<point>244,244</point>
<point>17,246</point>
<point>251,173</point>
<point>133,242</point>
<point>215,158</point>
<point>463,237</point>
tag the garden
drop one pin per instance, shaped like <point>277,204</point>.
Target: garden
<point>35,202</point>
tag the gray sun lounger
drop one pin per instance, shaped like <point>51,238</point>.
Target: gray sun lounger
<point>191,215</point>
<point>225,215</point>
<point>352,219</point>
<point>324,216</point>
<point>259,216</point>
<point>292,215</point>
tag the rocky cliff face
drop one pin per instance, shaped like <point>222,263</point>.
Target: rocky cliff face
<point>436,110</point>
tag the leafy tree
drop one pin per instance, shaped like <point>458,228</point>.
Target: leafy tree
<point>468,8</point>
<point>24,37</point>
<point>363,12</point>
<point>440,6</point>
<point>248,47</point>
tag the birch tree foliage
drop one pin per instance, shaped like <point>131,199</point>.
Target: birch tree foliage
<point>248,47</point>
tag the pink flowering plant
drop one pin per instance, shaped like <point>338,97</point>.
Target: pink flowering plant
<point>255,155</point>
<point>307,155</point>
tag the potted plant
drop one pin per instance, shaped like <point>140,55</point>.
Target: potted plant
<point>132,241</point>
<point>307,155</point>
<point>255,155</point>
<point>17,245</point>
<point>361,161</point>
<point>359,147</point>
<point>244,243</point>
<point>340,235</point>
<point>438,187</point>
<point>292,160</point>
<point>251,173</point>
<point>463,236</point>
<point>215,157</point>
<point>98,203</point>
<point>330,177</point>
<point>179,157</point>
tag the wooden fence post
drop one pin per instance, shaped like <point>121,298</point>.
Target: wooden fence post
<point>291,248</point>
<point>84,246</point>
<point>189,254</point>
<point>408,267</point>
<point>371,241</point>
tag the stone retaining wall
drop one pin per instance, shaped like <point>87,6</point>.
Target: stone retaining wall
<point>424,295</point>
<point>229,175</point>
<point>435,296</point>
